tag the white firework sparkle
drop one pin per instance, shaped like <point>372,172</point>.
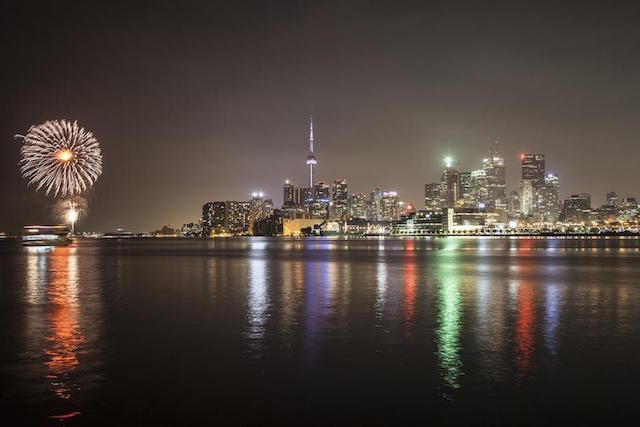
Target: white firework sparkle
<point>61,157</point>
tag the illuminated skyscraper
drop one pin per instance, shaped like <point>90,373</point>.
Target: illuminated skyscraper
<point>465,183</point>
<point>612,198</point>
<point>373,205</point>
<point>533,169</point>
<point>547,200</point>
<point>358,206</point>
<point>289,195</point>
<point>311,158</point>
<point>433,197</point>
<point>340,199</point>
<point>478,196</point>
<point>496,180</point>
<point>450,182</point>
<point>390,206</point>
<point>526,197</point>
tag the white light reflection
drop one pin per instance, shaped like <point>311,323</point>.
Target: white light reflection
<point>258,301</point>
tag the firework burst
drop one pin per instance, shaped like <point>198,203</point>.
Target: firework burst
<point>61,157</point>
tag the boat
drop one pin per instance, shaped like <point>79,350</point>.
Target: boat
<point>46,235</point>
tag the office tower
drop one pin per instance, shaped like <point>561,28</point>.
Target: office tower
<point>311,158</point>
<point>433,197</point>
<point>373,205</point>
<point>628,211</point>
<point>213,218</point>
<point>340,199</point>
<point>321,199</point>
<point>207,218</point>
<point>547,200</point>
<point>587,197</point>
<point>389,206</point>
<point>358,206</point>
<point>514,204</point>
<point>493,167</point>
<point>526,197</point>
<point>464,185</point>
<point>533,169</point>
<point>450,182</point>
<point>478,190</point>
<point>238,217</point>
<point>612,198</point>
<point>575,208</point>
<point>289,195</point>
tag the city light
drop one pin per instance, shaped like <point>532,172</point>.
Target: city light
<point>448,161</point>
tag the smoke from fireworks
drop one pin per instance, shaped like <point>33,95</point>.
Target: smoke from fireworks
<point>61,157</point>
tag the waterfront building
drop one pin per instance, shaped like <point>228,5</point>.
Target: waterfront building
<point>213,218</point>
<point>358,206</point>
<point>423,222</point>
<point>191,229</point>
<point>238,217</point>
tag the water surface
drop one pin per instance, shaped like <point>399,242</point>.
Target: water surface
<point>321,331</point>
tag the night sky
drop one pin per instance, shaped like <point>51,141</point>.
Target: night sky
<point>209,101</point>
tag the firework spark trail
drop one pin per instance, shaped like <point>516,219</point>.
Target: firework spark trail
<point>60,156</point>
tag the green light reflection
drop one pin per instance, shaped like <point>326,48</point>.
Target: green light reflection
<point>449,316</point>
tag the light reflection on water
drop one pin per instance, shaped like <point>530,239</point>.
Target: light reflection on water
<point>449,320</point>
<point>456,315</point>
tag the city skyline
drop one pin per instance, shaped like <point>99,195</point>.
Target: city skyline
<point>221,107</point>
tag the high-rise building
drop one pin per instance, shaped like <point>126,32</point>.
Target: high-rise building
<point>533,169</point>
<point>493,167</point>
<point>238,217</point>
<point>478,190</point>
<point>213,218</point>
<point>311,158</point>
<point>575,208</point>
<point>340,199</point>
<point>547,200</point>
<point>612,198</point>
<point>321,199</point>
<point>433,198</point>
<point>629,211</point>
<point>373,205</point>
<point>289,195</point>
<point>390,206</point>
<point>465,183</point>
<point>526,197</point>
<point>514,204</point>
<point>450,182</point>
<point>358,206</point>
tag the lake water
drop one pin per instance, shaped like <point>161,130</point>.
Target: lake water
<point>321,331</point>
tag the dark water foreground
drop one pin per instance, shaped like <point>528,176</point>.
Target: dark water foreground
<point>321,331</point>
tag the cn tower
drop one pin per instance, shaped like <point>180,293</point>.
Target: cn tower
<point>311,158</point>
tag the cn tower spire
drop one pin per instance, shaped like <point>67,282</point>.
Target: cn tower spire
<point>311,158</point>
